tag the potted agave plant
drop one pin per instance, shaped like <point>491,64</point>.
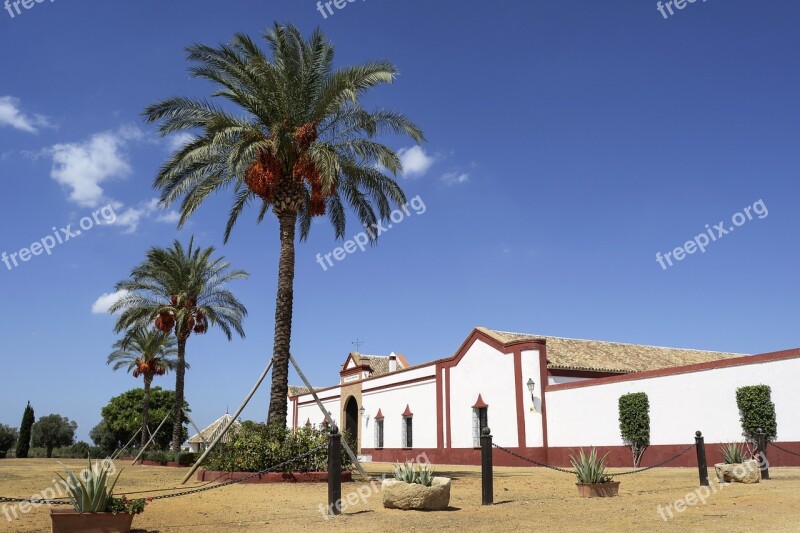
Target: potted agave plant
<point>94,507</point>
<point>593,480</point>
<point>416,489</point>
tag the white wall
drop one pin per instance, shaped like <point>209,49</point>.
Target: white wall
<point>420,398</point>
<point>533,419</point>
<point>679,405</point>
<point>311,411</point>
<point>485,371</point>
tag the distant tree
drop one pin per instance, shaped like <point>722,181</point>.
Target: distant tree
<point>8,436</point>
<point>123,416</point>
<point>53,431</point>
<point>24,440</point>
<point>145,353</point>
<point>104,438</point>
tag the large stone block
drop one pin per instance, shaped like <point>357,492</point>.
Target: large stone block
<point>401,495</point>
<point>747,472</point>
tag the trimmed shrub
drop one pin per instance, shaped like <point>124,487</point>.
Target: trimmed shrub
<point>256,447</point>
<point>634,423</point>
<point>756,410</point>
<point>187,458</point>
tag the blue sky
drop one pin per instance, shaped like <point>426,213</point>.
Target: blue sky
<point>568,143</point>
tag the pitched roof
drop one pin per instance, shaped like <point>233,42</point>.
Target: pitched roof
<point>211,432</point>
<point>603,356</point>
<point>379,363</point>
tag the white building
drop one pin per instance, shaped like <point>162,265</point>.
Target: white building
<point>543,397</point>
<point>200,440</point>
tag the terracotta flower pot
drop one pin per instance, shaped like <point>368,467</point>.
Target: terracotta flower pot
<point>69,521</point>
<point>598,490</point>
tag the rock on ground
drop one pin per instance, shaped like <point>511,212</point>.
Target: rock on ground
<point>747,472</point>
<point>401,495</point>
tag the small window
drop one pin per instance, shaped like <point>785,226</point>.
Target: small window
<point>379,434</point>
<point>407,432</point>
<point>480,420</point>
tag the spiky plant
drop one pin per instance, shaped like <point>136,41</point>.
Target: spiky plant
<point>183,291</point>
<point>733,453</point>
<point>302,145</point>
<point>145,353</point>
<point>590,468</point>
<point>90,492</point>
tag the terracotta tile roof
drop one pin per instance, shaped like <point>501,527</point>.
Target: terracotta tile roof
<point>297,391</point>
<point>212,431</point>
<point>379,363</point>
<point>602,356</point>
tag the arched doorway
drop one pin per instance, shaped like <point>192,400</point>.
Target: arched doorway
<point>351,419</point>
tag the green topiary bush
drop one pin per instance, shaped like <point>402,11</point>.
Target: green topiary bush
<point>256,447</point>
<point>187,458</point>
<point>756,410</point>
<point>634,423</point>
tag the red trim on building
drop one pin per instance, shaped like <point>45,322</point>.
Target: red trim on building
<point>447,406</point>
<point>379,416</point>
<point>543,377</point>
<point>398,384</point>
<point>321,399</point>
<point>563,373</point>
<point>407,412</point>
<point>308,422</point>
<point>686,369</point>
<point>480,404</point>
<point>439,408</point>
<point>618,456</point>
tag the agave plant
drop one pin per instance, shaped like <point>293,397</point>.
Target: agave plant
<point>407,473</point>
<point>89,491</point>
<point>589,468</point>
<point>732,453</point>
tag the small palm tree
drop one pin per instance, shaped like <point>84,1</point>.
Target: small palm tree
<point>181,290</point>
<point>146,353</point>
<point>304,147</point>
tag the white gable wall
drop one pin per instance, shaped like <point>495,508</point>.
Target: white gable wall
<point>679,405</point>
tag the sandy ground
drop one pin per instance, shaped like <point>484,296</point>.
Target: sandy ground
<point>525,500</point>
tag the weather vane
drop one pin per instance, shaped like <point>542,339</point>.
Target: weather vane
<point>357,343</point>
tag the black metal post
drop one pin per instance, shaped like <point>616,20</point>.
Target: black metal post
<point>487,478</point>
<point>334,471</point>
<point>702,466</point>
<point>762,452</point>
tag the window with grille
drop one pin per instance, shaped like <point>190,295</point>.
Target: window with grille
<point>379,433</point>
<point>480,420</point>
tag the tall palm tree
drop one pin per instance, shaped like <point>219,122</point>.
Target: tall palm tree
<point>303,146</point>
<point>181,290</point>
<point>146,353</point>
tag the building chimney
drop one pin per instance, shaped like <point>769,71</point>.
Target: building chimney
<point>392,363</point>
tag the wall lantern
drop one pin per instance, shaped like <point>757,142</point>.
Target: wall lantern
<point>531,386</point>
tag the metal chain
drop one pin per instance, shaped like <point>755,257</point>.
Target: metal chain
<point>246,478</point>
<point>784,449</point>
<point>518,456</point>
<point>662,463</point>
<point>564,470</point>
<point>203,488</point>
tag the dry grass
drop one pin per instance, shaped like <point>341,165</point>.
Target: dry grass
<point>526,499</point>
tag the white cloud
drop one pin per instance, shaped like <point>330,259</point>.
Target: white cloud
<point>415,161</point>
<point>130,218</point>
<point>11,115</point>
<point>178,140</point>
<point>104,303</point>
<point>455,178</point>
<point>83,167</point>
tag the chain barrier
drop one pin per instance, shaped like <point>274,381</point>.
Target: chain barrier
<point>564,470</point>
<point>662,463</point>
<point>518,456</point>
<point>784,449</point>
<point>202,488</point>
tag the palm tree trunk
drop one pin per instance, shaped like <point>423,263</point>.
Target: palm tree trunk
<point>148,380</point>
<point>283,322</point>
<point>177,412</point>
